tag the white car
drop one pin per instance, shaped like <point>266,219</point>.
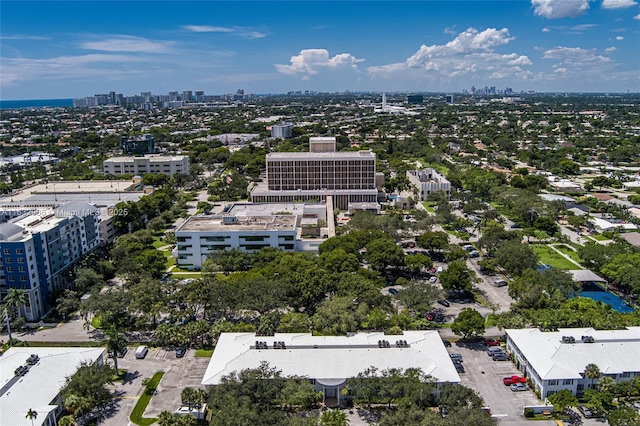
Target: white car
<point>433,280</point>
<point>517,387</point>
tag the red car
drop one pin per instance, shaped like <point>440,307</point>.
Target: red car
<point>491,342</point>
<point>431,316</point>
<point>513,379</point>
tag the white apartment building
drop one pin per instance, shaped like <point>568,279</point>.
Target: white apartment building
<point>160,164</point>
<point>429,182</point>
<point>556,360</point>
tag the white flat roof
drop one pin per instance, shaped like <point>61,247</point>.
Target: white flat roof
<point>41,384</point>
<point>614,351</point>
<point>331,357</point>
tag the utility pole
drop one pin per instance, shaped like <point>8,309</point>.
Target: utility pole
<point>5,316</point>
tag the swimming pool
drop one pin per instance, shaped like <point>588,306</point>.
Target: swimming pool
<point>595,292</point>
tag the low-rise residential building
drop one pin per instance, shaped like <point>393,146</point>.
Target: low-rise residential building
<point>160,164</point>
<point>36,249</point>
<point>429,182</point>
<point>328,361</point>
<point>38,389</point>
<point>556,360</point>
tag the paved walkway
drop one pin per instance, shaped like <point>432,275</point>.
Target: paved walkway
<point>566,256</point>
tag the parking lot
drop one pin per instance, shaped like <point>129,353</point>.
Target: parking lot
<point>485,376</point>
<point>178,374</point>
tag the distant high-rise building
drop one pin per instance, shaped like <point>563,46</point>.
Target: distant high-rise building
<point>187,95</point>
<point>199,95</point>
<point>281,131</point>
<point>146,96</point>
<point>449,99</point>
<point>415,99</point>
<point>173,96</point>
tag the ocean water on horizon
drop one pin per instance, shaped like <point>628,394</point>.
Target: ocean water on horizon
<point>36,103</point>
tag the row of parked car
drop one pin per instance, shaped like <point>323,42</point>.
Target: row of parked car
<point>24,369</point>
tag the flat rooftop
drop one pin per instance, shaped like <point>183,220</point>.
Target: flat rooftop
<point>252,223</point>
<point>321,155</point>
<point>614,351</point>
<point>102,193</point>
<point>331,358</point>
<point>152,158</point>
<point>41,384</point>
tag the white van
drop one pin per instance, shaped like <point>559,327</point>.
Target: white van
<point>141,352</point>
<point>499,283</point>
<point>439,270</point>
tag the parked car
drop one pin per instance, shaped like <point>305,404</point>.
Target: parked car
<point>141,352</point>
<point>33,359</point>
<point>121,353</point>
<point>585,411</point>
<point>432,270</point>
<point>21,371</point>
<point>431,316</point>
<point>459,367</point>
<point>439,317</point>
<point>456,357</point>
<point>517,387</point>
<point>446,343</point>
<point>499,283</point>
<point>495,350</point>
<point>474,254</point>
<point>500,357</point>
<point>180,352</point>
<point>433,280</point>
<point>444,302</point>
<point>491,342</point>
<point>510,380</point>
<point>393,291</point>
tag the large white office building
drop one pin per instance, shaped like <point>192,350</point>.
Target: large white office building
<point>159,164</point>
<point>556,360</point>
<point>328,361</point>
<point>349,177</point>
<point>429,182</point>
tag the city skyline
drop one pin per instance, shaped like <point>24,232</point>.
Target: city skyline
<point>75,49</point>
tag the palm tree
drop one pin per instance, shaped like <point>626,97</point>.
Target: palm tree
<point>592,371</point>
<point>606,384</point>
<point>15,298</point>
<point>334,418</point>
<point>76,404</point>
<point>31,415</point>
<point>116,342</point>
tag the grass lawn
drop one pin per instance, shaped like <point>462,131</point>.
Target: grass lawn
<point>143,401</point>
<point>170,261</point>
<point>569,252</point>
<point>550,257</point>
<point>185,275</point>
<point>203,353</point>
<point>428,205</point>
<point>599,237</point>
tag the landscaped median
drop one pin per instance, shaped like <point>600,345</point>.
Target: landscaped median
<point>143,401</point>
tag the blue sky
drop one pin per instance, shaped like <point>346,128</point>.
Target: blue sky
<point>73,49</point>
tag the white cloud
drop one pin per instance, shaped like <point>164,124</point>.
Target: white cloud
<point>546,30</point>
<point>577,58</point>
<point>471,52</point>
<point>637,17</point>
<point>207,29</point>
<point>618,4</point>
<point>619,38</point>
<point>243,32</point>
<point>311,61</point>
<point>22,37</point>
<point>466,42</point>
<point>124,43</point>
<point>610,49</point>
<point>556,9</point>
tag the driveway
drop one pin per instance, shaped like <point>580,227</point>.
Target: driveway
<point>178,374</point>
<point>484,375</point>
